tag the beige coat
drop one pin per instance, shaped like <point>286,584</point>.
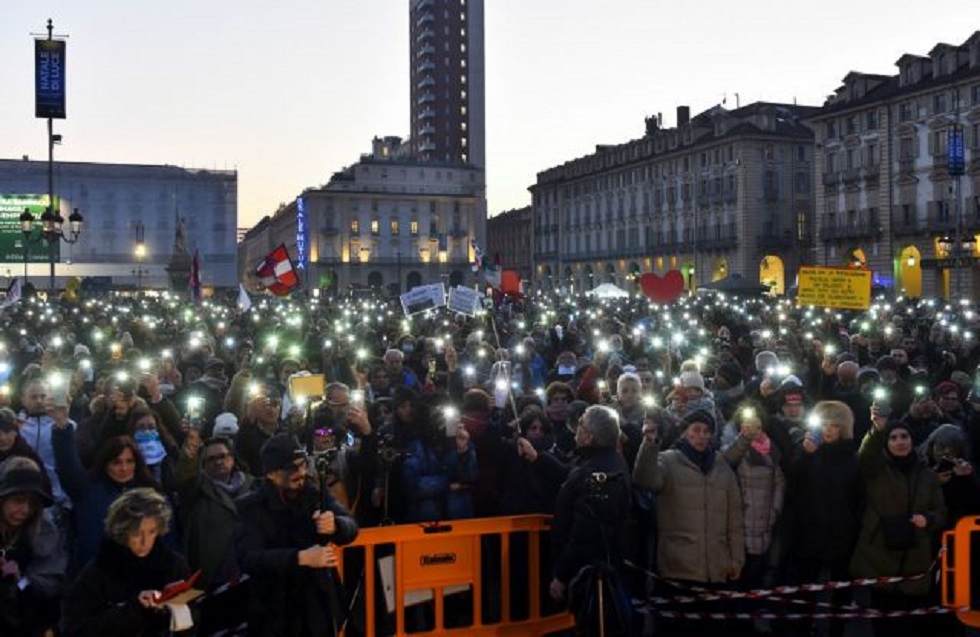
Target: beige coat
<point>699,517</point>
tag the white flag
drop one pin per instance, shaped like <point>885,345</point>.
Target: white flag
<point>244,303</point>
<point>13,294</point>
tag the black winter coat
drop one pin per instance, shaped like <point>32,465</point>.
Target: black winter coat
<point>103,601</point>
<point>827,502</point>
<point>590,518</point>
<point>287,599</point>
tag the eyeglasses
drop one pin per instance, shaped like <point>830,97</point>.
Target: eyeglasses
<point>219,457</point>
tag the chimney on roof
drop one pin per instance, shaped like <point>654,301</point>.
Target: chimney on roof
<point>653,124</point>
<point>683,115</point>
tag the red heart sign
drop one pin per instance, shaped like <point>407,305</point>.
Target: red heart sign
<point>663,290</point>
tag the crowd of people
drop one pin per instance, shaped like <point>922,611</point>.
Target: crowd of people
<point>713,443</point>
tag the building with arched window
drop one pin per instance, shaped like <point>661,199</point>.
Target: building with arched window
<point>710,197</point>
<point>898,188</point>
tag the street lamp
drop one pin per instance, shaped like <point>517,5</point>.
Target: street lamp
<point>51,232</point>
<point>140,253</point>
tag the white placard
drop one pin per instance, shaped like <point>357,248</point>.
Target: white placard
<point>422,298</point>
<point>464,300</point>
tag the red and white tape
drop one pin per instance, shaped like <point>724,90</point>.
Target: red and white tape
<point>863,613</point>
<point>706,594</point>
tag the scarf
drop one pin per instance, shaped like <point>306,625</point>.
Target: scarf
<point>234,484</point>
<point>703,460</point>
<point>762,444</point>
<point>905,464</point>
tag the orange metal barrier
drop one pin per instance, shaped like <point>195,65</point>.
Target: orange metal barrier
<point>433,557</point>
<point>961,570</point>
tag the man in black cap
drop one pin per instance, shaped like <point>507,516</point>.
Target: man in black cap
<point>285,541</point>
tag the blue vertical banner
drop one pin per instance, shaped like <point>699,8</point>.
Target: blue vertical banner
<point>302,234</point>
<point>956,156</point>
<point>49,79</point>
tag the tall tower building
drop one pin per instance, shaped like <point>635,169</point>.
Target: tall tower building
<point>447,71</point>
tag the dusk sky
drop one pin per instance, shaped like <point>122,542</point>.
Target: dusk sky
<point>288,92</point>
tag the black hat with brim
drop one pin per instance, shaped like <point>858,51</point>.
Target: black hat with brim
<point>18,481</point>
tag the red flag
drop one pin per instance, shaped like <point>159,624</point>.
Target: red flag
<point>510,283</point>
<point>195,279</point>
<point>276,272</point>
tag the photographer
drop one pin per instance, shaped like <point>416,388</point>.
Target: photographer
<point>340,431</point>
<point>285,541</point>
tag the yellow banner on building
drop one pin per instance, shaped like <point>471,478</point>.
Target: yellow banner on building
<point>840,288</point>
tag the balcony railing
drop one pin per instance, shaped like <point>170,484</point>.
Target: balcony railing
<point>851,175</point>
<point>856,230</point>
<point>904,227</point>
<point>774,240</point>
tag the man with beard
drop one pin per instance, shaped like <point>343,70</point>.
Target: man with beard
<point>285,540</point>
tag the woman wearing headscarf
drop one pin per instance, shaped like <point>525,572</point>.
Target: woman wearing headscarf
<point>119,592</point>
<point>33,561</point>
<point>904,510</point>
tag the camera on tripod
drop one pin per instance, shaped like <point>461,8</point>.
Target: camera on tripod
<point>388,453</point>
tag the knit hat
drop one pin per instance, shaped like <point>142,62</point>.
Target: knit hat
<point>867,374</point>
<point>731,372</point>
<point>225,425</point>
<point>280,452</point>
<point>946,387</point>
<point>698,415</point>
<point>692,380</point>
<point>81,350</point>
<point>25,481</point>
<point>963,380</point>
<point>8,420</point>
<point>845,356</point>
<point>896,424</point>
<point>887,362</point>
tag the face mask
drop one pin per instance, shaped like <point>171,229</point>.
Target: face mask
<point>566,370</point>
<point>150,446</point>
<point>408,348</point>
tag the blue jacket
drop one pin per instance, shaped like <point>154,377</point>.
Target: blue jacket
<point>428,472</point>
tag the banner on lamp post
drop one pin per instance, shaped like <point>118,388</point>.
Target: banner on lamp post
<point>49,79</point>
